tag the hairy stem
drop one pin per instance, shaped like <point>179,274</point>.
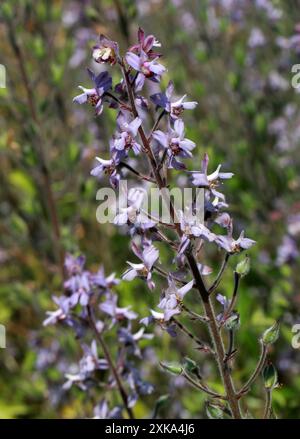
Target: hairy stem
<point>232,303</point>
<point>113,368</point>
<point>198,342</point>
<point>220,274</point>
<point>204,294</point>
<point>202,387</point>
<point>232,397</point>
<point>257,371</point>
<point>268,404</point>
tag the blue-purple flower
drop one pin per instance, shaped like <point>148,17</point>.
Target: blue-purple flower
<point>109,167</point>
<point>175,144</point>
<point>95,96</point>
<point>117,313</point>
<point>145,67</point>
<point>60,314</point>
<point>173,298</point>
<point>231,245</point>
<point>175,108</point>
<point>149,255</point>
<point>192,228</point>
<point>211,181</point>
<point>124,139</point>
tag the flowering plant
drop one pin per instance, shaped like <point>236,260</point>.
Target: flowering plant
<point>89,302</point>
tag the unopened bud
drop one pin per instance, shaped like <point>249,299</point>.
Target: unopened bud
<point>233,322</point>
<point>214,411</point>
<point>270,377</point>
<point>271,334</point>
<point>243,267</point>
<point>173,368</point>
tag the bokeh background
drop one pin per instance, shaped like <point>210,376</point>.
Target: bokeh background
<point>234,57</point>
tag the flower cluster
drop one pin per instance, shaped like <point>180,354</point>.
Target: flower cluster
<point>165,146</point>
<point>90,303</point>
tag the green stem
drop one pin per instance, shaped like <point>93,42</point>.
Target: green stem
<point>257,371</point>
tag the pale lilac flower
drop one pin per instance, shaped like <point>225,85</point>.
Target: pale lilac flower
<point>117,313</point>
<point>173,297</point>
<point>102,411</point>
<point>133,213</point>
<point>192,228</point>
<point>74,265</point>
<point>107,51</point>
<point>149,69</point>
<point>256,38</point>
<point>95,96</point>
<point>175,108</point>
<point>287,251</point>
<point>148,256</point>
<point>108,167</point>
<point>60,314</point>
<point>90,361</point>
<point>130,340</point>
<point>211,181</point>
<point>124,138</point>
<point>100,280</point>
<point>175,144</point>
<point>231,245</point>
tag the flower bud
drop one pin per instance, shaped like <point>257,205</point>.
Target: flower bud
<point>271,334</point>
<point>173,368</point>
<point>191,366</point>
<point>233,322</point>
<point>214,411</point>
<point>161,402</point>
<point>243,267</point>
<point>270,377</point>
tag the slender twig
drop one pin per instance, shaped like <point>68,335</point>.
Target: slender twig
<point>161,163</point>
<point>135,172</point>
<point>217,281</point>
<point>166,275</point>
<point>199,342</point>
<point>230,349</point>
<point>156,123</point>
<point>194,315</point>
<point>115,98</point>
<point>203,387</point>
<point>257,371</point>
<point>232,303</point>
<point>268,404</point>
<point>157,221</point>
<point>113,368</point>
<point>165,239</point>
